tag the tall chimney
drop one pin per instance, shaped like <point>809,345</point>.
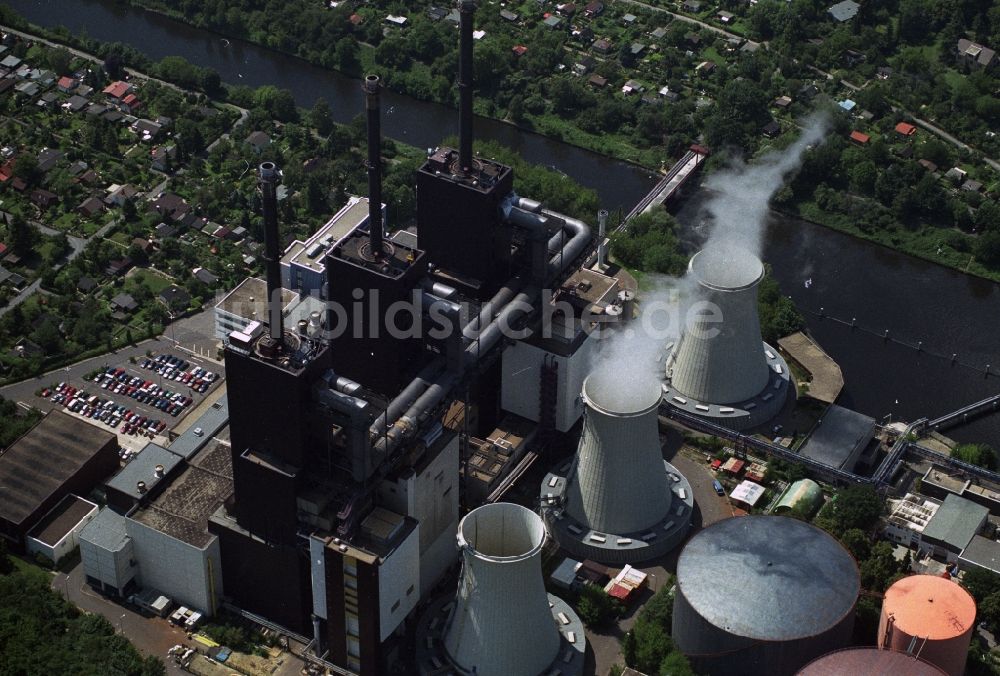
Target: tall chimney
<point>371,87</point>
<point>269,179</point>
<point>466,9</point>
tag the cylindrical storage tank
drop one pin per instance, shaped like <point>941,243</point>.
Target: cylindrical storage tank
<point>617,483</point>
<point>720,356</point>
<point>762,595</point>
<point>869,662</point>
<point>501,624</point>
<point>931,617</point>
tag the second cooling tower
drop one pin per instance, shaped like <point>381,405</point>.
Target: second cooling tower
<point>720,368</point>
<point>618,501</point>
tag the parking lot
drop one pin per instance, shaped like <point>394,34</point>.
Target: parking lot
<point>135,395</point>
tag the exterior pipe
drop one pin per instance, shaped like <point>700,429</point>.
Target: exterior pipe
<point>487,311</point>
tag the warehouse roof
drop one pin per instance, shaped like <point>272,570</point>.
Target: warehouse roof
<point>982,553</point>
<point>43,460</point>
<point>955,522</point>
<point>61,519</point>
<point>770,578</point>
<point>839,436</point>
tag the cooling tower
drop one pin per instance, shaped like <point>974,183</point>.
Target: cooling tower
<point>869,662</point>
<point>501,624</point>
<point>762,595</point>
<point>930,617</point>
<point>618,501</point>
<point>720,368</point>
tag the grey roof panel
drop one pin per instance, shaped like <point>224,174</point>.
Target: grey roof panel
<point>955,522</point>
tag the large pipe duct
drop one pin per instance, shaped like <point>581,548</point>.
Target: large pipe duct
<point>466,9</point>
<point>371,87</point>
<point>617,483</point>
<point>269,178</point>
<point>501,624</point>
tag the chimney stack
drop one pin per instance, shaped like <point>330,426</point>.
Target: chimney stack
<point>371,87</point>
<point>269,179</point>
<point>466,9</point>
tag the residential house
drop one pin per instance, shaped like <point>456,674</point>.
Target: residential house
<point>7,83</point>
<point>552,21</point>
<point>397,21</point>
<point>972,185</point>
<point>692,38</point>
<point>843,11</point>
<point>905,129</point>
<point>975,55</point>
<point>28,88</point>
<point>883,72</point>
<point>928,165</point>
<point>88,178</point>
<point>435,14</point>
<point>668,94</point>
<point>164,230</point>
<point>601,46</point>
<point>10,62</point>
<point>582,34</point>
<point>519,50</point>
<point>47,100</point>
<point>725,17</point>
<point>705,68</point>
<point>629,19</point>
<point>567,9</point>
<point>143,245</point>
<point>258,140</point>
<point>146,130</point>
<point>584,65</point>
<point>782,102</point>
<point>175,297</point>
<point>162,157</point>
<point>593,9</point>
<point>67,84</point>
<point>852,57</point>
<point>85,284</point>
<point>860,138</point>
<point>76,168</point>
<point>597,81</point>
<point>508,15</point>
<point>118,267</point>
<point>847,105</point>
<point>45,78</point>
<point>75,104</point>
<point>90,207</point>
<point>118,194</point>
<point>691,6</point>
<point>632,87</point>
<point>170,206</point>
<point>47,158</point>
<point>658,33</point>
<point>112,115</point>
<point>637,48</point>
<point>84,90</point>
<point>204,276</point>
<point>956,174</point>
<point>129,103</point>
<point>43,199</point>
<point>123,302</point>
<point>771,129</point>
<point>117,90</point>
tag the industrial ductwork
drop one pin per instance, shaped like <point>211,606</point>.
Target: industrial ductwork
<point>501,624</point>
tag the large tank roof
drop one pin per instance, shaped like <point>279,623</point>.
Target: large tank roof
<point>726,267</point>
<point>928,606</point>
<point>872,661</point>
<point>614,393</point>
<point>769,578</point>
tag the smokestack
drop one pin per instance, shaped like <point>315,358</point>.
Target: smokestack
<point>466,9</point>
<point>371,87</point>
<point>269,179</point>
<point>602,245</point>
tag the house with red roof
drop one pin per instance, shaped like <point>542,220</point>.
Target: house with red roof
<point>67,84</point>
<point>859,138</point>
<point>130,103</point>
<point>519,50</point>
<point>6,170</point>
<point>905,129</point>
<point>117,89</point>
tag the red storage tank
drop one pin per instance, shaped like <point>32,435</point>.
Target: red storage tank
<point>928,616</point>
<point>870,662</point>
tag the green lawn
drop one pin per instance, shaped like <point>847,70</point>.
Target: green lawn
<point>153,280</point>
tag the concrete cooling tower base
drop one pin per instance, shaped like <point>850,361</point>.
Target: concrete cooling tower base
<point>616,548</point>
<point>741,415</point>
<point>432,658</point>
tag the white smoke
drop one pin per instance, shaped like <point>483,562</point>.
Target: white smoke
<point>742,192</point>
<point>636,353</point>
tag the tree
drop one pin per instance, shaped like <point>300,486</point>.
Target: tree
<point>981,455</point>
<point>26,167</point>
<point>857,543</point>
<point>47,336</point>
<point>863,176</point>
<point>879,568</point>
<point>596,607</point>
<point>320,117</point>
<point>856,506</point>
<point>981,583</point>
<point>740,112</point>
<point>988,249</point>
<point>22,235</point>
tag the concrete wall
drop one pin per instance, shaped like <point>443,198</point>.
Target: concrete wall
<point>188,575</point>
<point>399,583</point>
<point>430,497</point>
<point>113,569</point>
<point>520,390</point>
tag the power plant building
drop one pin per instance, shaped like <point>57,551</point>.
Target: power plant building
<point>720,369</point>
<point>618,501</point>
<point>346,483</point>
<point>762,594</point>
<point>931,617</point>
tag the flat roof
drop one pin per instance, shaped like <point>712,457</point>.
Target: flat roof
<point>249,299</point>
<point>61,519</point>
<point>838,435</point>
<point>143,468</point>
<point>956,522</point>
<point>210,422</point>
<point>939,476</point>
<point>106,530</point>
<point>983,552</point>
<point>183,509</point>
<point>46,457</point>
<point>342,223</point>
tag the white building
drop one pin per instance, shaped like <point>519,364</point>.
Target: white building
<point>57,534</point>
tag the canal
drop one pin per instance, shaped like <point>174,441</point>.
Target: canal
<point>930,312</point>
